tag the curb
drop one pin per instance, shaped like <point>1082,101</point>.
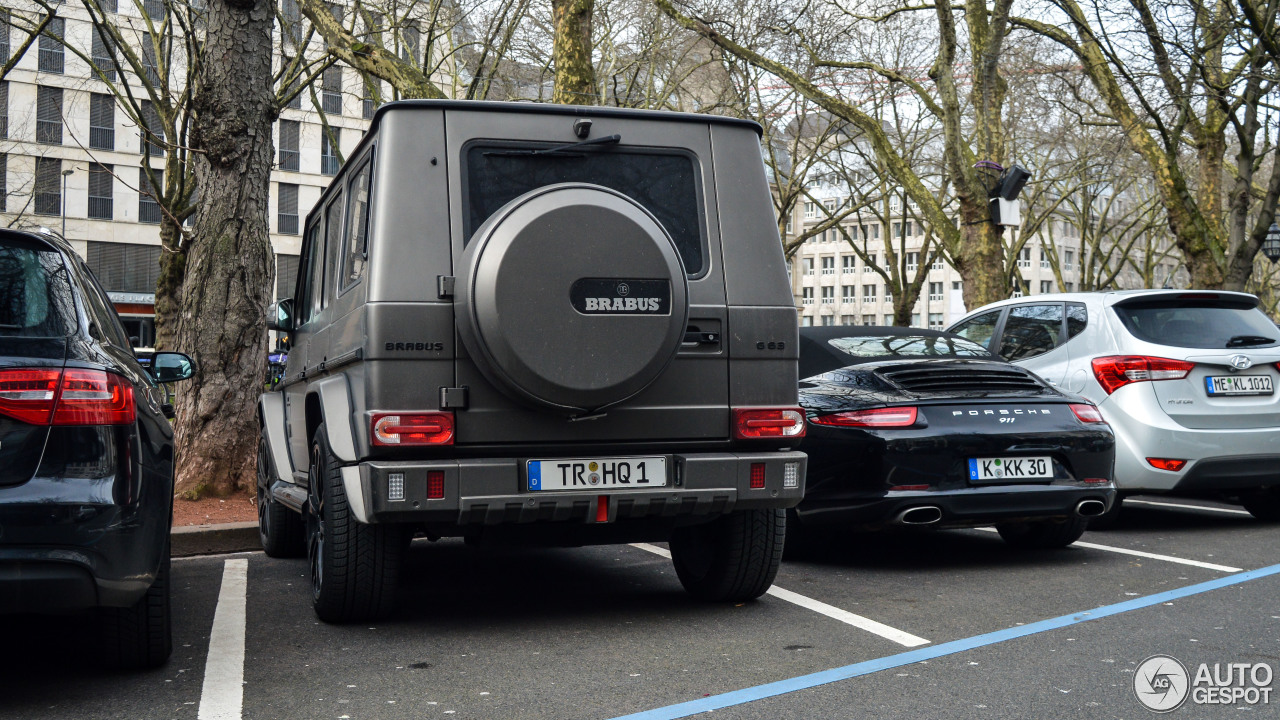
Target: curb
<point>214,539</point>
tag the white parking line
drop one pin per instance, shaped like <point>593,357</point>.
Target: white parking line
<point>831,611</point>
<point>222,697</point>
<point>1152,556</point>
<point>1187,507</point>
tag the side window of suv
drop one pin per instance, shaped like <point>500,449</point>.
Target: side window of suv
<point>355,240</point>
<point>312,251</point>
<point>979,329</point>
<point>328,260</point>
<point>1031,330</point>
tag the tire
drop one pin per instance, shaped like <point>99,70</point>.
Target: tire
<point>140,636</point>
<point>1264,505</point>
<point>355,568</point>
<point>731,559</point>
<point>281,530</point>
<point>1043,534</point>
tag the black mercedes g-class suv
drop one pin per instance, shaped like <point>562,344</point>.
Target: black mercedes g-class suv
<point>536,323</point>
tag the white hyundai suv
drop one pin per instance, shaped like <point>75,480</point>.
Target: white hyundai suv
<point>1185,378</point>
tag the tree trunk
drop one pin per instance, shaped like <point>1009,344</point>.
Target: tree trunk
<point>982,268</point>
<point>222,324</point>
<point>173,262</point>
<point>571,53</point>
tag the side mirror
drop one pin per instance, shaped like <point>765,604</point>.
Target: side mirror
<point>280,316</point>
<point>167,367</point>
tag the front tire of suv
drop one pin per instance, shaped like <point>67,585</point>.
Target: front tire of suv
<point>280,529</point>
<point>355,568</point>
<point>1043,534</point>
<point>1264,505</point>
<point>731,559</point>
<point>139,636</point>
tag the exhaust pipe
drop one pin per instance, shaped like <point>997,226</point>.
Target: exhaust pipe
<point>1090,508</point>
<point>926,515</point>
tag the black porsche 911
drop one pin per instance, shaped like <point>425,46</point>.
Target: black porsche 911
<point>910,427</point>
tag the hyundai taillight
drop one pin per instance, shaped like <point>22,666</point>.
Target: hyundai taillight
<point>1086,413</point>
<point>66,397</point>
<point>753,423</point>
<point>1116,371</point>
<point>399,429</point>
<point>874,418</point>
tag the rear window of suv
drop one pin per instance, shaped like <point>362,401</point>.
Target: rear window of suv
<point>35,293</point>
<point>665,183</point>
<point>1198,323</point>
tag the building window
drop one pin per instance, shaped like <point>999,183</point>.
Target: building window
<point>1068,259</point>
<point>848,294</point>
<point>807,295</point>
<point>369,103</point>
<point>48,188</point>
<point>1070,287</point>
<point>913,261</point>
<point>4,35</point>
<point>938,263</point>
<point>1044,259</point>
<point>888,320</point>
<point>155,9</point>
<point>810,211</point>
<point>1046,287</point>
<point>291,24</point>
<point>808,266</point>
<point>1024,257</point>
<point>888,295</point>
<point>152,142</point>
<point>289,144</point>
<point>935,292</point>
<point>149,67</point>
<point>870,266</point>
<point>112,6</point>
<point>4,106</point>
<point>286,275</point>
<point>868,320</point>
<point>48,115</point>
<point>412,41</point>
<point>124,267</point>
<point>51,51</point>
<point>828,320</point>
<point>4,180</point>
<point>148,206</point>
<point>828,295</point>
<point>331,90</point>
<point>869,293</point>
<point>847,320</point>
<point>286,66</point>
<point>847,263</point>
<point>100,195</point>
<point>935,321</point>
<point>329,150</point>
<point>806,321</point>
<point>102,122</point>
<point>101,56</point>
<point>287,209</point>
<point>828,265</point>
<point>915,319</point>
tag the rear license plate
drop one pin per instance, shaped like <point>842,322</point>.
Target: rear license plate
<point>1238,384</point>
<point>1010,468</point>
<point>595,474</point>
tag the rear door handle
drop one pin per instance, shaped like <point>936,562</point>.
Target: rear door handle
<point>699,338</point>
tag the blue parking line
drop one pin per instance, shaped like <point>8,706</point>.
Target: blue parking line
<point>803,682</point>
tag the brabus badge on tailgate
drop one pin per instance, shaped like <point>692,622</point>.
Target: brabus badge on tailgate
<point>616,296</point>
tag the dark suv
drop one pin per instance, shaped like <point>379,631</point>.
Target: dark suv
<point>86,454</point>
<point>536,323</point>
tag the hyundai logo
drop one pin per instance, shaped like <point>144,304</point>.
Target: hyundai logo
<point>1240,362</point>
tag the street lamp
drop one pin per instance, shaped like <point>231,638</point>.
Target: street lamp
<point>1271,244</point>
<point>65,173</point>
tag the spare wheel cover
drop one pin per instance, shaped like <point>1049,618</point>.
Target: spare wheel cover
<point>572,297</point>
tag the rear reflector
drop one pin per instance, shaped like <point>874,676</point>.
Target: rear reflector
<point>1116,371</point>
<point>395,486</point>
<point>66,397</point>
<point>435,484</point>
<point>875,418</point>
<point>791,475</point>
<point>1167,464</point>
<point>1096,481</point>
<point>602,509</point>
<point>434,428</point>
<point>753,423</point>
<point>902,488</point>
<point>757,476</point>
<point>1087,413</point>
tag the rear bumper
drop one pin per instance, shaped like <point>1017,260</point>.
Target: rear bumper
<point>495,492</point>
<point>1218,460</point>
<point>969,507</point>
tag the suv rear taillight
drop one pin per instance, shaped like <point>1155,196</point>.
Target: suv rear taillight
<point>753,423</point>
<point>66,397</point>
<point>874,418</point>
<point>399,429</point>
<point>1116,371</point>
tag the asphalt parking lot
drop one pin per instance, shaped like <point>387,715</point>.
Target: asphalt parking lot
<point>947,625</point>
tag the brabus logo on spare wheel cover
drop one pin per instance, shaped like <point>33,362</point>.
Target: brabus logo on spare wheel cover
<point>614,296</point>
<point>1240,362</point>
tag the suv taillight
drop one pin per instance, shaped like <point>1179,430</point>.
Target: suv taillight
<point>398,429</point>
<point>1116,371</point>
<point>66,397</point>
<point>756,423</point>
